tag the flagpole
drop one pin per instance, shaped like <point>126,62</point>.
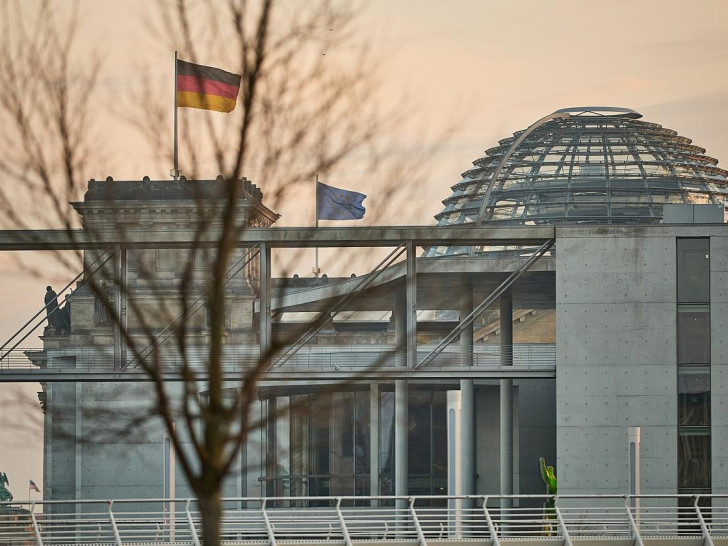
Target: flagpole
<point>316,269</point>
<point>176,165</point>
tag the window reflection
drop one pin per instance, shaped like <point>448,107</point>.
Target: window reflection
<point>693,334</point>
<point>318,444</point>
<point>694,396</point>
<point>693,460</point>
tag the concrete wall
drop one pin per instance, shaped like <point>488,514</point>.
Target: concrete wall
<point>616,359</point>
<point>106,445</point>
<point>617,355</point>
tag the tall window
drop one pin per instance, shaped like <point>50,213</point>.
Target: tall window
<point>318,444</point>
<point>427,440</point>
<point>693,365</point>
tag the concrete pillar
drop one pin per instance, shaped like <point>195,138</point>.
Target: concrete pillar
<point>411,297</point>
<point>401,430</point>
<point>405,330</point>
<point>170,475</point>
<point>401,418</point>
<point>633,434</point>
<point>506,399</point>
<point>264,324</point>
<point>123,303</point>
<point>116,324</point>
<point>48,443</point>
<point>467,403</point>
<point>454,462</point>
<point>78,435</point>
<point>271,452</point>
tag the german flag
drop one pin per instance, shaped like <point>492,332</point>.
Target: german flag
<point>206,87</point>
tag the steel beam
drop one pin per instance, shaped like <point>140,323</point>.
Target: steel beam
<point>280,237</point>
<point>411,298</point>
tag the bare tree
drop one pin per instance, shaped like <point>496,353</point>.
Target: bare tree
<point>306,104</point>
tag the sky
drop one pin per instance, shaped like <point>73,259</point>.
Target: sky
<point>482,69</point>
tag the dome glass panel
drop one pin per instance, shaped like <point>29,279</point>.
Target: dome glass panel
<point>600,165</point>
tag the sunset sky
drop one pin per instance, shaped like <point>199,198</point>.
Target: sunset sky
<point>484,68</point>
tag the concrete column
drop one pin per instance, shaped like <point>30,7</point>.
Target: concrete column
<point>467,440</point>
<point>78,435</point>
<point>271,452</point>
<point>467,403</point>
<point>411,297</point>
<point>405,330</point>
<point>401,454</point>
<point>48,443</point>
<point>170,485</point>
<point>506,399</point>
<point>374,441</point>
<point>122,301</point>
<point>401,431</point>
<point>116,324</point>
<point>633,434</point>
<point>264,324</point>
<point>401,418</point>
<point>454,462</point>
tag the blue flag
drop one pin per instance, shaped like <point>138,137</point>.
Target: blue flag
<point>337,204</point>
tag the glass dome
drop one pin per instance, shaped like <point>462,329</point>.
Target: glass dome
<point>600,165</point>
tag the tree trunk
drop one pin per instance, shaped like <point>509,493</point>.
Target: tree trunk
<point>211,514</point>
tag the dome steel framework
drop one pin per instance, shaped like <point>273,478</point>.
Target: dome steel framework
<point>584,165</point>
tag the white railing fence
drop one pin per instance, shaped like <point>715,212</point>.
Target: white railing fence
<point>349,520</point>
<point>310,357</point>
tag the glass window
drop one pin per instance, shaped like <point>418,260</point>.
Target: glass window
<point>439,434</point>
<point>318,484</point>
<point>693,334</point>
<point>420,438</point>
<point>299,440</point>
<point>693,396</point>
<point>693,458</point>
<point>693,270</point>
<point>386,443</point>
<point>591,170</point>
<point>361,443</point>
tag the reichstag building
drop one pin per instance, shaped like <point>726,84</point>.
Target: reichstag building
<point>594,330</point>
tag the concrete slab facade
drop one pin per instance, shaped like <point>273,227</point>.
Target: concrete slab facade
<point>616,368</point>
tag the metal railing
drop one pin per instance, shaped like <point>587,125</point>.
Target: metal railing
<point>349,520</point>
<point>310,357</point>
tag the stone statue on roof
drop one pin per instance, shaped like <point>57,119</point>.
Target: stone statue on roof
<point>5,495</point>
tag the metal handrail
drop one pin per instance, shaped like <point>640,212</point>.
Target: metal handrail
<point>93,358</point>
<point>47,306</point>
<point>349,519</point>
